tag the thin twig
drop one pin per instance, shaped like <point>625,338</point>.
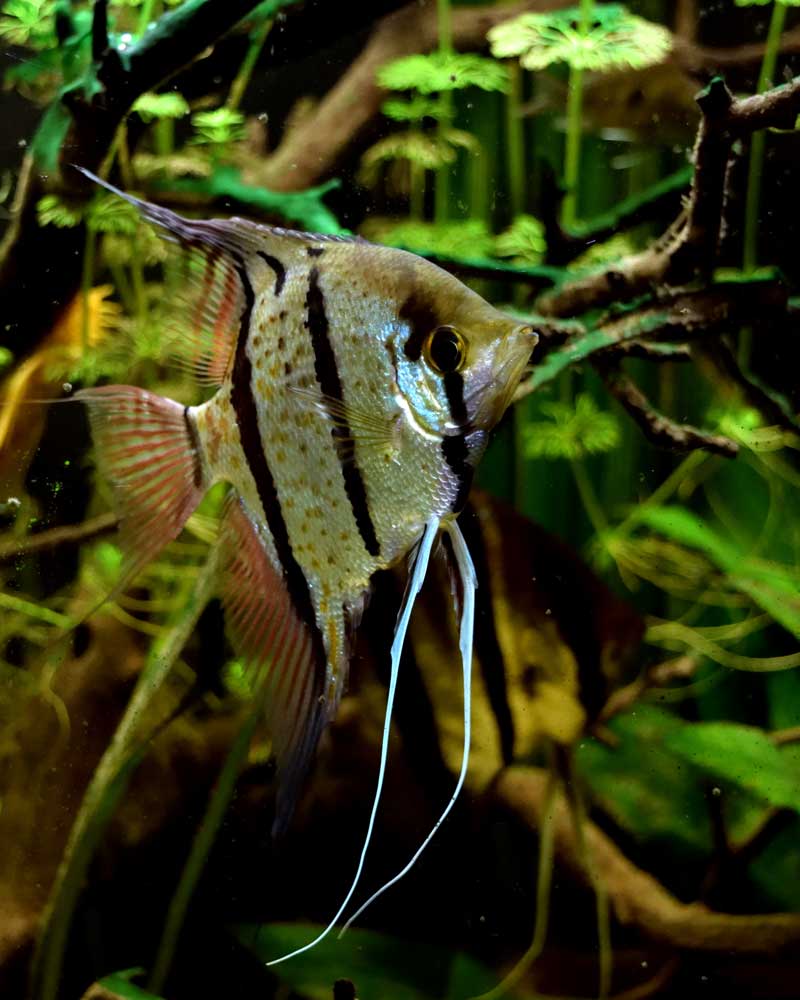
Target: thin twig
<point>68,534</point>
<point>637,898</point>
<point>658,429</point>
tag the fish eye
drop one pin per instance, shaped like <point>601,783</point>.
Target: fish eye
<point>445,350</point>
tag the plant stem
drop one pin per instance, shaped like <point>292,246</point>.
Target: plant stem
<point>107,786</point>
<point>479,184</point>
<point>442,192</point>
<point>164,136</point>
<point>756,165</point>
<point>416,190</point>
<point>588,497</point>
<point>257,38</point>
<point>203,841</point>
<point>146,15</point>
<point>514,140</point>
<point>544,876</point>
<point>572,153</point>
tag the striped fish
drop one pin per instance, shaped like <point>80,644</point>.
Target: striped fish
<point>355,389</point>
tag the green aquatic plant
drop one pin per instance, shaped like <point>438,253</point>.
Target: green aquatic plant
<point>218,128</point>
<point>155,107</point>
<point>29,23</point>
<point>441,72</point>
<point>524,241</point>
<point>572,431</point>
<point>457,238</point>
<point>755,165</point>
<point>589,37</point>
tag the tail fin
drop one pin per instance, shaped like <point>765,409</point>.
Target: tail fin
<point>147,448</point>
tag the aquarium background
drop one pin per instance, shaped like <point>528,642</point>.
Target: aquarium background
<point>630,824</point>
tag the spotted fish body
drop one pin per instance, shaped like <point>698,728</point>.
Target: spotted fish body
<point>356,388</point>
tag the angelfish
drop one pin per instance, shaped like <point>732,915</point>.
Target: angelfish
<point>356,388</point>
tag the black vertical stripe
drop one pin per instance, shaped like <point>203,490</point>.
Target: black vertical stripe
<point>421,319</point>
<point>456,453</point>
<point>277,267</point>
<point>455,448</point>
<point>454,390</point>
<point>331,386</point>
<point>247,420</point>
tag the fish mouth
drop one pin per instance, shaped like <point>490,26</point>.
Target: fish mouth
<point>516,350</point>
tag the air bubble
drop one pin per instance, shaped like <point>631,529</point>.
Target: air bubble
<point>66,386</point>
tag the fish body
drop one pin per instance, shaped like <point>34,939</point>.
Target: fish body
<point>356,387</point>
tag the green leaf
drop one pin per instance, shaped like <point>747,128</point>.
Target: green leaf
<point>451,238</point>
<point>50,135</point>
<point>639,784</point>
<point>773,586</point>
<point>53,211</point>
<point>524,241</point>
<point>28,22</point>
<point>152,107</point>
<point>108,213</point>
<point>572,431</point>
<point>382,967</point>
<point>219,127</point>
<point>119,983</point>
<point>615,38</point>
<point>304,208</point>
<point>743,757</point>
<point>442,71</point>
<point>414,109</point>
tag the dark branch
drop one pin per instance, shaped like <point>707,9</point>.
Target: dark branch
<point>658,429</point>
<point>688,249</point>
<point>68,534</point>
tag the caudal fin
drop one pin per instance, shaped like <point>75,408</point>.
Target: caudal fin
<point>146,447</point>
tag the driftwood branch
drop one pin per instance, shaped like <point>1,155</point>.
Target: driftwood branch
<point>68,534</point>
<point>310,151</point>
<point>638,899</point>
<point>688,250</point>
<point>658,429</point>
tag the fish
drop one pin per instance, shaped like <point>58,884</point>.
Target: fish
<point>354,390</point>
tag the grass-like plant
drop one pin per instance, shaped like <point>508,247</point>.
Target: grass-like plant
<point>757,146</point>
<point>588,37</point>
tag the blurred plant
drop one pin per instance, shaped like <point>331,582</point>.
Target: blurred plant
<point>155,107</point>
<point>468,238</point>
<point>587,37</point>
<point>28,22</point>
<point>440,73</point>
<point>573,432</point>
<point>755,167</point>
<point>524,241</point>
<point>217,129</point>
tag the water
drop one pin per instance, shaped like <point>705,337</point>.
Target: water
<point>634,779</point>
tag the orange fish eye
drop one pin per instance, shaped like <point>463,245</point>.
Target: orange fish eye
<point>445,350</point>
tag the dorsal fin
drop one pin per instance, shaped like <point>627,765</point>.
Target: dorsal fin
<point>206,295</point>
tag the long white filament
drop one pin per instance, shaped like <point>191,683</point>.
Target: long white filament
<point>469,585</point>
<point>415,584</point>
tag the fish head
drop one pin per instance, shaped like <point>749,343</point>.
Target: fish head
<point>458,360</point>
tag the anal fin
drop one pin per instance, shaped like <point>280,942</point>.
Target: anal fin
<point>278,650</point>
